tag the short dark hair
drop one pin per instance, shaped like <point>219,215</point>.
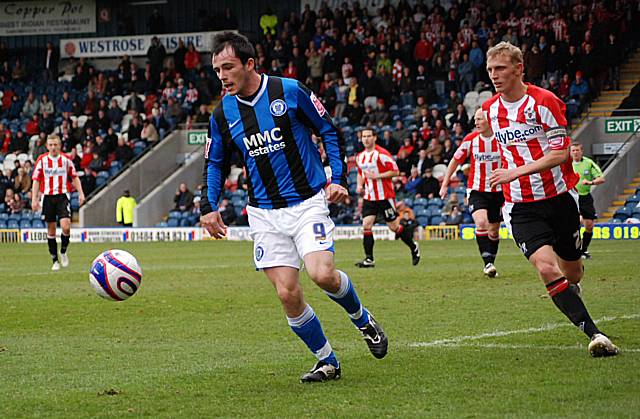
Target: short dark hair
<point>373,131</point>
<point>239,44</point>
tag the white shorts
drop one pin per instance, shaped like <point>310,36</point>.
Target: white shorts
<point>283,236</point>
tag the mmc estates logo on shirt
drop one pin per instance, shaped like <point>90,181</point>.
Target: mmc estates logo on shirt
<point>264,142</point>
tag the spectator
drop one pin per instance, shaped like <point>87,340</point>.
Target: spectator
<point>19,143</point>
<point>405,156</point>
<point>454,217</point>
<point>227,212</point>
<point>46,105</point>
<point>354,113</point>
<point>22,182</point>
<point>183,199</point>
<point>135,130</point>
<point>579,90</point>
<point>203,115</point>
<point>134,104</point>
<point>466,75</point>
<point>19,73</point>
<point>161,124</point>
<point>115,113</point>
<point>156,52</point>
<point>430,185</point>
<point>179,57</point>
<point>5,183</point>
<point>80,79</point>
<point>191,60</point>
<point>149,132</point>
<point>268,22</point>
<point>31,106</point>
<point>125,209</point>
<point>173,113</point>
<point>124,153</point>
<point>612,58</point>
<point>450,204</point>
<point>46,124</point>
<point>389,143</point>
<point>50,73</point>
<point>414,182</point>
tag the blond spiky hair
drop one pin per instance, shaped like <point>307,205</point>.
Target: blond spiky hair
<point>507,49</point>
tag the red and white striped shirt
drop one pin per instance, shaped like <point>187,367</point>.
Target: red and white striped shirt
<point>484,157</point>
<point>378,161</point>
<point>54,174</point>
<point>559,27</point>
<point>526,131</point>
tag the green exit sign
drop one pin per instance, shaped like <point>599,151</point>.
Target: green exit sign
<point>620,125</point>
<point>197,137</point>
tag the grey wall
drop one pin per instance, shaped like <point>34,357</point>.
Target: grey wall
<point>157,204</point>
<point>141,178</point>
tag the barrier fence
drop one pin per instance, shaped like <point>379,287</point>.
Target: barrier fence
<point>381,232</point>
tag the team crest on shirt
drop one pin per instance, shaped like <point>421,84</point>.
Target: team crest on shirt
<point>259,253</point>
<point>278,107</point>
<point>530,116</point>
<point>319,106</point>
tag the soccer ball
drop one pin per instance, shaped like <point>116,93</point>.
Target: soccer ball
<point>115,275</point>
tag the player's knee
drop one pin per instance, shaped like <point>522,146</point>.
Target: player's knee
<point>326,278</point>
<point>588,225</point>
<point>548,270</point>
<point>483,224</point>
<point>575,273</point>
<point>290,297</point>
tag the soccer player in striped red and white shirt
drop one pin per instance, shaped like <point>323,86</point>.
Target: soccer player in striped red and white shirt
<point>52,176</point>
<point>376,168</point>
<point>538,182</point>
<point>485,201</point>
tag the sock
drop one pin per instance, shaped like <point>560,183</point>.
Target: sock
<point>367,241</point>
<point>494,239</point>
<point>308,328</point>
<point>405,236</point>
<point>586,240</point>
<point>484,245</point>
<point>65,243</point>
<point>571,305</point>
<point>347,297</point>
<point>53,247</point>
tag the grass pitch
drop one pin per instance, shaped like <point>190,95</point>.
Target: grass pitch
<point>206,337</point>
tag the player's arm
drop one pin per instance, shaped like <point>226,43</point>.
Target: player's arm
<point>216,160</point>
<point>311,110</point>
<point>35,196</point>
<point>552,159</point>
<point>359,183</point>
<point>458,158</point>
<point>78,186</point>
<point>598,176</point>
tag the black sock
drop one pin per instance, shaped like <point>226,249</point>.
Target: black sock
<point>484,246</point>
<point>53,248</point>
<point>586,240</point>
<point>65,243</point>
<point>406,236</point>
<point>495,244</point>
<point>367,241</point>
<point>571,305</point>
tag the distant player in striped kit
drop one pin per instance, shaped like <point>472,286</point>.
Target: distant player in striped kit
<point>538,183</point>
<point>52,174</point>
<point>268,121</point>
<point>485,202</point>
<point>376,168</point>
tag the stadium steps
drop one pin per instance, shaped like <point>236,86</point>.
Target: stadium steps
<point>620,200</point>
<point>611,99</point>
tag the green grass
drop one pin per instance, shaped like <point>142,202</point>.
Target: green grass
<point>206,337</point>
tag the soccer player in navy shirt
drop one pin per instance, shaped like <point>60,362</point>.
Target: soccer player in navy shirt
<point>269,120</point>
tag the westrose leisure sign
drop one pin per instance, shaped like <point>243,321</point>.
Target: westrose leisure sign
<point>134,45</point>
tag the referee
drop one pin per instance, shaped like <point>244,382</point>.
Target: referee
<point>590,174</point>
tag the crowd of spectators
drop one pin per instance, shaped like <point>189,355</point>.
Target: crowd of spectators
<point>105,117</point>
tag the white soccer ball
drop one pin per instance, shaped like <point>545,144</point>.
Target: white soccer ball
<point>115,275</point>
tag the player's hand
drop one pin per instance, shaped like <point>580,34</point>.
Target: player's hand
<point>370,174</point>
<point>81,199</point>
<point>35,205</point>
<point>213,223</point>
<point>443,191</point>
<point>500,176</point>
<point>336,193</point>
<point>359,190</point>
<point>586,182</point>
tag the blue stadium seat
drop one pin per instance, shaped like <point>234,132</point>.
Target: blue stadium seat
<point>633,198</point>
<point>172,222</point>
<point>162,224</point>
<point>623,213</point>
<point>2,209</point>
<point>3,224</point>
<point>13,224</point>
<point>417,208</point>
<point>421,201</point>
<point>100,181</point>
<point>422,212</point>
<point>408,202</point>
<point>435,209</point>
<point>175,214</point>
<point>436,220</point>
<point>467,218</point>
<point>185,222</point>
<point>185,215</point>
<point>436,202</point>
<point>25,224</point>
<point>423,221</point>
<point>15,217</point>
<point>75,204</point>
<point>37,224</point>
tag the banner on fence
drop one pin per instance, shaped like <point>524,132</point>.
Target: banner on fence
<point>47,17</point>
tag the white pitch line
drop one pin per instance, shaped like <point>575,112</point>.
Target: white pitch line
<point>523,346</point>
<point>500,333</point>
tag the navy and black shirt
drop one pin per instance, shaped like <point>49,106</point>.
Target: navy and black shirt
<point>272,131</point>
